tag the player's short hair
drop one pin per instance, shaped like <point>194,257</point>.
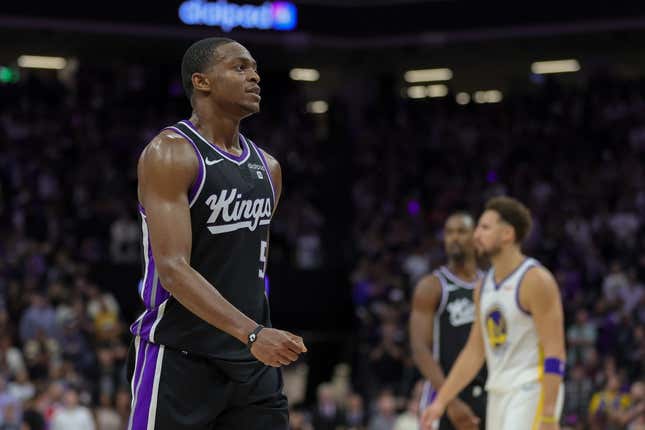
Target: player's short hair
<point>514,213</point>
<point>198,57</point>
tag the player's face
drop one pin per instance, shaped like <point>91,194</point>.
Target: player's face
<point>235,79</point>
<point>488,234</point>
<point>458,237</point>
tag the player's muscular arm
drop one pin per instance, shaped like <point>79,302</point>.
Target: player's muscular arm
<point>425,302</point>
<point>470,360</point>
<point>539,294</point>
<point>166,170</point>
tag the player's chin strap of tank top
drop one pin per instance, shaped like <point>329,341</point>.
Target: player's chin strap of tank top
<point>254,335</point>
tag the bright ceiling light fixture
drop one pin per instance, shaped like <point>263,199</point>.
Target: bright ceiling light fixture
<point>417,92</point>
<point>462,98</point>
<point>428,75</point>
<point>437,90</point>
<point>488,96</point>
<point>41,62</point>
<point>317,106</point>
<point>308,75</point>
<point>556,66</point>
<point>493,96</point>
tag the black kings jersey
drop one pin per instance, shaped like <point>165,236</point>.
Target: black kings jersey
<point>453,319</point>
<point>231,205</point>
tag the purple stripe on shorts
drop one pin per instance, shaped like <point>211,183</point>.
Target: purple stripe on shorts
<point>147,321</point>
<point>134,327</point>
<point>136,377</point>
<point>144,395</point>
<point>143,346</point>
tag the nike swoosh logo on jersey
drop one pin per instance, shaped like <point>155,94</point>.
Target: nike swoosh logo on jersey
<point>211,162</point>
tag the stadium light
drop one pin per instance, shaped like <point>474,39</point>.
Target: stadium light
<point>417,92</point>
<point>488,96</point>
<point>41,62</point>
<point>427,75</point>
<point>462,98</point>
<point>479,97</point>
<point>493,96</point>
<point>308,75</point>
<point>557,66</point>
<point>437,90</point>
<point>318,106</point>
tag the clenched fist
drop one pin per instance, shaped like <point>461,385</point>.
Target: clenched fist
<point>277,348</point>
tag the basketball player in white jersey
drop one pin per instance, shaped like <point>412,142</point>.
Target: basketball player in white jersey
<point>518,330</point>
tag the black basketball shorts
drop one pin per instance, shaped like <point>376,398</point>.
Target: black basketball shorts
<point>175,390</point>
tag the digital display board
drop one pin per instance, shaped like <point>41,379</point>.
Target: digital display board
<point>279,15</point>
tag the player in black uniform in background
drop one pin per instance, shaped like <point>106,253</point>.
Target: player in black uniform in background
<point>442,313</point>
<point>204,356</point>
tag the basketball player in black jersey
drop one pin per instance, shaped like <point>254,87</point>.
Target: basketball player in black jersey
<point>204,356</point>
<point>442,313</point>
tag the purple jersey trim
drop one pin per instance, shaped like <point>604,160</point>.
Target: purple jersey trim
<point>197,186</point>
<point>228,155</point>
<point>517,290</point>
<point>498,285</point>
<point>266,167</point>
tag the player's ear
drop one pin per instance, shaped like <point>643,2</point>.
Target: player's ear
<point>508,233</point>
<point>200,81</point>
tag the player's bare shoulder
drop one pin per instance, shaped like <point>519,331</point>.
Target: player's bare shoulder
<point>539,279</point>
<point>427,292</point>
<point>168,161</point>
<point>169,148</point>
<point>539,289</point>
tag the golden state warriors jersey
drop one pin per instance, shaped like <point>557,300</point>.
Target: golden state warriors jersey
<point>513,353</point>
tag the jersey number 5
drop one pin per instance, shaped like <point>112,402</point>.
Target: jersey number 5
<point>263,259</point>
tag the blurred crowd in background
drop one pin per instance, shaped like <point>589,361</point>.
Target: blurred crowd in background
<point>367,189</point>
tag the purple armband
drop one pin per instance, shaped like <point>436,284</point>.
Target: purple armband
<point>554,365</point>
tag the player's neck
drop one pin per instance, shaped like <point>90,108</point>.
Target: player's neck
<point>217,128</point>
<point>507,261</point>
<point>465,270</point>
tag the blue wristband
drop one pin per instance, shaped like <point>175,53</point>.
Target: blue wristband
<point>554,365</point>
